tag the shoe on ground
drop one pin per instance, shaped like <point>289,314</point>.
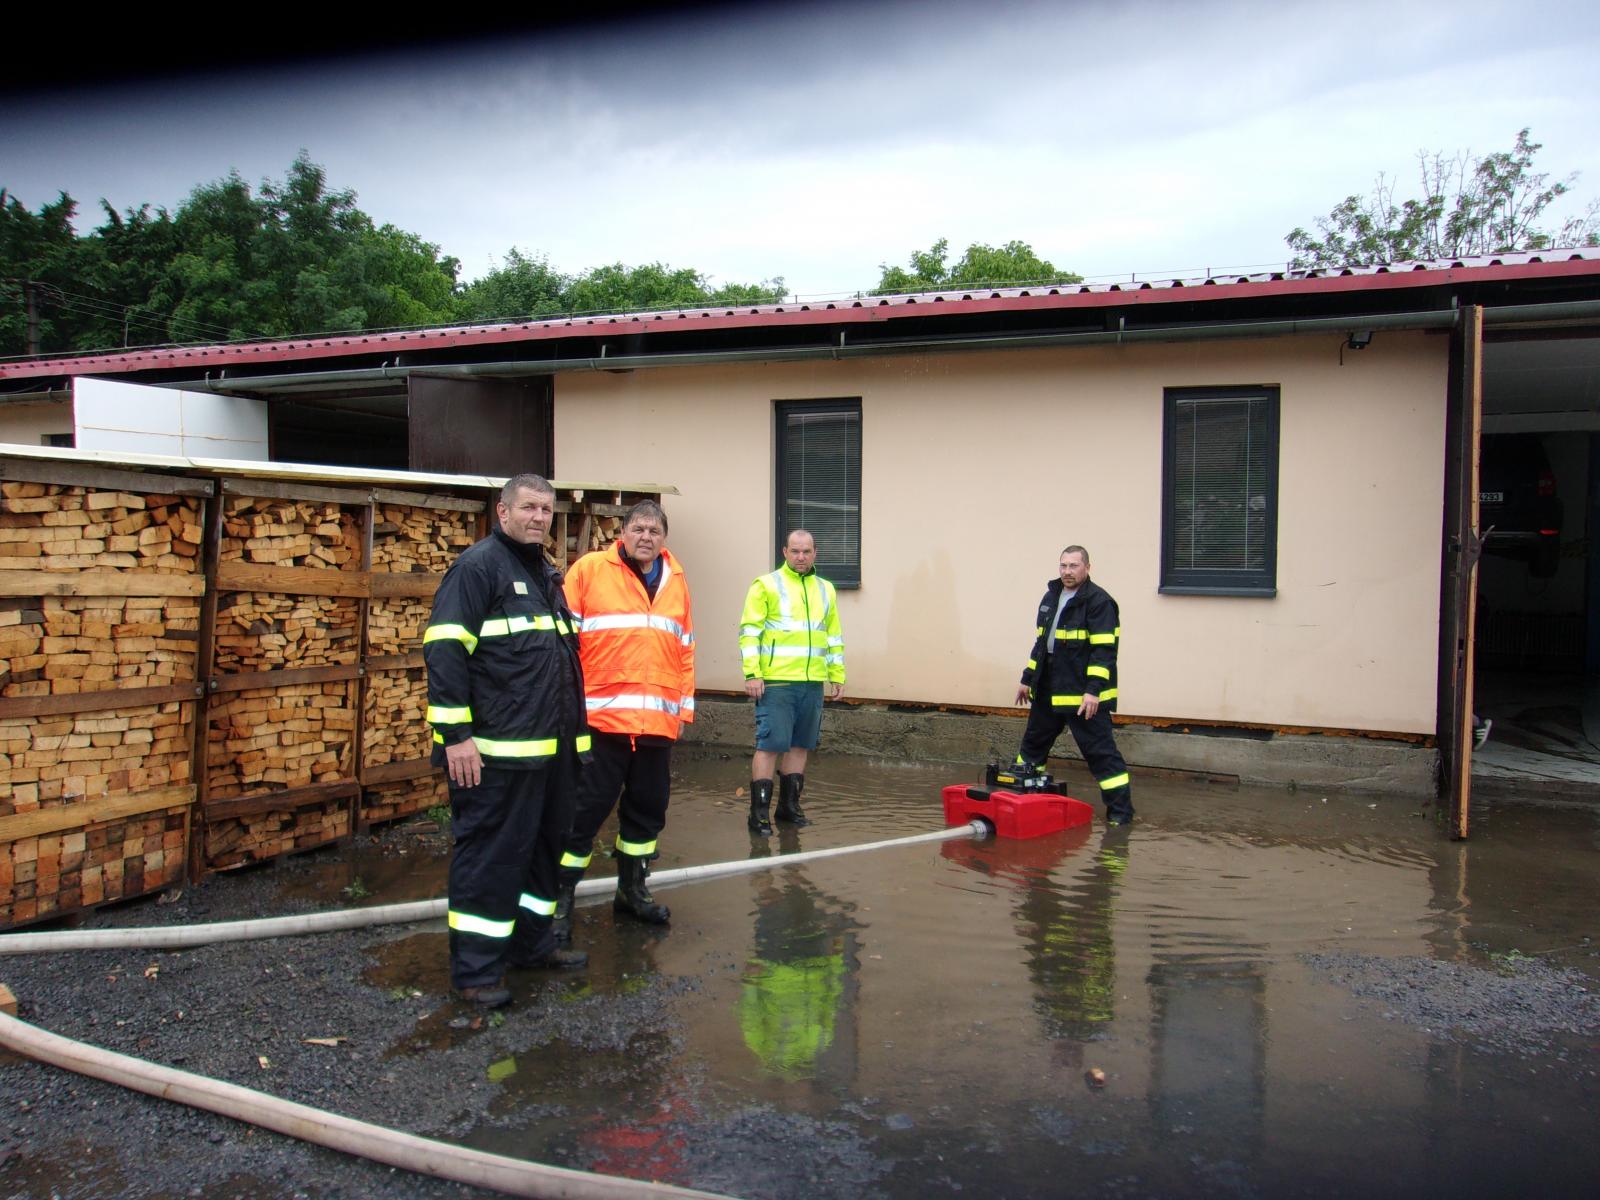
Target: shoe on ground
<point>490,995</point>
<point>1480,733</point>
<point>561,958</point>
<point>1119,820</point>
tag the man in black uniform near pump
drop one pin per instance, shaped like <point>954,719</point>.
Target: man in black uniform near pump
<point>505,699</point>
<point>1071,681</point>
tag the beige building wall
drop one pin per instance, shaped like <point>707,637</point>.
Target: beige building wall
<point>978,467</point>
<point>24,423</point>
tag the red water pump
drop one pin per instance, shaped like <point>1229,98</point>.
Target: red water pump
<point>1016,804</point>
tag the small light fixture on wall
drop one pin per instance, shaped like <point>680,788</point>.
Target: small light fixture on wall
<point>1359,339</point>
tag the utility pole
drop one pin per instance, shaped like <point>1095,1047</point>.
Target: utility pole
<point>30,300</point>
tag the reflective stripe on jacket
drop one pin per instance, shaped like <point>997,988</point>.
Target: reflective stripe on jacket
<point>502,658</point>
<point>789,632</point>
<point>638,652</point>
<point>1086,642</point>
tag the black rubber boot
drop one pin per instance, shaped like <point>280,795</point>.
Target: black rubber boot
<point>789,789</point>
<point>567,881</point>
<point>760,806</point>
<point>633,895</point>
<point>491,995</point>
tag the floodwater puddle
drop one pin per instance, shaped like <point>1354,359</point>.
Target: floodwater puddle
<point>1208,1002</point>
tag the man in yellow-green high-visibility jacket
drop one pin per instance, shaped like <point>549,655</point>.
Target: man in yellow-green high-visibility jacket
<point>792,648</point>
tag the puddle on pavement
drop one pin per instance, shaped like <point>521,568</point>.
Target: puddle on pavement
<point>1129,1010</point>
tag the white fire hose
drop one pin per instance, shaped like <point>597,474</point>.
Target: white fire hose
<point>511,1176</point>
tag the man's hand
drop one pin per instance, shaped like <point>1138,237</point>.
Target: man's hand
<point>1024,695</point>
<point>835,690</point>
<point>1090,706</point>
<point>464,764</point>
<point>755,688</point>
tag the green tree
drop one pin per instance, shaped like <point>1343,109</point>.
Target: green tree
<point>1013,265</point>
<point>520,287</point>
<point>1491,206</point>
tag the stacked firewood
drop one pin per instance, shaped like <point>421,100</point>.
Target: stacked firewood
<point>266,739</point>
<point>107,860</point>
<point>260,631</point>
<point>395,625</point>
<point>53,527</point>
<point>419,539</point>
<point>393,723</point>
<point>390,801</point>
<point>53,645</point>
<point>231,842</point>
<point>50,761</point>
<point>290,533</point>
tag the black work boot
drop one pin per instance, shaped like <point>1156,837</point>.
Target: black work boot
<point>760,806</point>
<point>566,888</point>
<point>633,896</point>
<point>789,789</point>
<point>489,995</point>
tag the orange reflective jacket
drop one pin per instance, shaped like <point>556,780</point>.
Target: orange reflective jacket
<point>638,653</point>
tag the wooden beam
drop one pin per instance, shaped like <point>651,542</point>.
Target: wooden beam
<point>396,772</point>
<point>265,802</point>
<point>389,584</point>
<point>276,489</point>
<point>82,702</point>
<point>394,662</point>
<point>108,479</point>
<point>91,812</point>
<point>99,583</point>
<point>427,500</point>
<point>250,680</point>
<point>292,581</point>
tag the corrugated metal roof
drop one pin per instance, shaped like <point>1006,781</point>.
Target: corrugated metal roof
<point>849,310</point>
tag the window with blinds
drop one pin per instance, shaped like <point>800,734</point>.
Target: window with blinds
<point>819,482</point>
<point>1219,514</point>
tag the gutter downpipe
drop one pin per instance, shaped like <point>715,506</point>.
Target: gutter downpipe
<point>1430,319</point>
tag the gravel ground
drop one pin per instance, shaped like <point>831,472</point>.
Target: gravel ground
<point>241,1012</point>
<point>1520,1008</point>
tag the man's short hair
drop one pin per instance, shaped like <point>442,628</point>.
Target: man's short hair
<point>792,532</point>
<point>1077,550</point>
<point>526,481</point>
<point>646,508</point>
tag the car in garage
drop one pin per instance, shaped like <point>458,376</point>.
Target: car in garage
<point>1518,506</point>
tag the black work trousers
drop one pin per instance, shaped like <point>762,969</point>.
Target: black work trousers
<point>640,771</point>
<point>1094,738</point>
<point>508,833</point>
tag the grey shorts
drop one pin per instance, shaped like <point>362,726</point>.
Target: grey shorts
<point>789,715</point>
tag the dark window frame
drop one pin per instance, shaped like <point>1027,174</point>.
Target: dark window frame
<point>845,574</point>
<point>1259,581</point>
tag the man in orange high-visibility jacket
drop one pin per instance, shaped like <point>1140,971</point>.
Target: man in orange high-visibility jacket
<point>636,641</point>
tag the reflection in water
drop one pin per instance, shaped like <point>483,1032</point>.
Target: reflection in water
<point>1209,1030</point>
<point>797,984</point>
<point>918,1022</point>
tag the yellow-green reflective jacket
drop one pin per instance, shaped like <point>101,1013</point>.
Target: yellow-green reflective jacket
<point>789,632</point>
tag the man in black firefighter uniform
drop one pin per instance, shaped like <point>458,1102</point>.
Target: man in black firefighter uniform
<point>1071,681</point>
<point>505,699</point>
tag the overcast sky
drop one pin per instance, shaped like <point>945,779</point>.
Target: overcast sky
<point>817,141</point>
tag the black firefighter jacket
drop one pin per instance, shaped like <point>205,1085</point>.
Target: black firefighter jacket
<point>1085,658</point>
<point>502,658</point>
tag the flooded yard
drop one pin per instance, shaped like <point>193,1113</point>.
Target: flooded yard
<point>1246,993</point>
